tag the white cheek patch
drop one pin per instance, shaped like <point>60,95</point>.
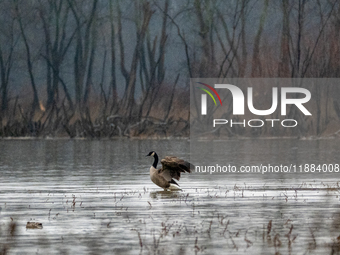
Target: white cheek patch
<point>153,154</point>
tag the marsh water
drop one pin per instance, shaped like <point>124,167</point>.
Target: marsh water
<point>96,197</point>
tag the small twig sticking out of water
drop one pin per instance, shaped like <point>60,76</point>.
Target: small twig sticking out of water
<point>232,240</point>
<point>177,232</point>
<point>150,205</point>
<point>226,193</point>
<point>312,245</point>
<point>249,243</point>
<point>225,229</point>
<point>166,228</point>
<point>286,197</point>
<point>277,243</point>
<point>295,195</point>
<point>108,224</point>
<point>289,220</point>
<point>156,242</point>
<point>197,248</point>
<point>221,218</point>
<point>140,240</point>
<point>186,197</point>
<point>269,227</point>
<point>209,229</point>
<point>74,202</point>
<point>289,239</point>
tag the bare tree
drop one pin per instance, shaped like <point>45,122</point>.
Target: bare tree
<point>35,102</point>
<point>204,11</point>
<point>85,38</point>
<point>284,63</point>
<point>7,47</point>
<point>131,75</point>
<point>153,76</point>
<point>113,58</point>
<point>256,63</point>
<point>54,16</point>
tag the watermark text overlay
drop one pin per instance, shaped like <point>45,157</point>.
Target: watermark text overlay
<point>269,168</point>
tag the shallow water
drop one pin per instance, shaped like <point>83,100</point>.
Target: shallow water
<point>97,197</point>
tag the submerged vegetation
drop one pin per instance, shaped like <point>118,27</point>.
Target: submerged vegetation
<point>199,230</point>
<point>7,236</point>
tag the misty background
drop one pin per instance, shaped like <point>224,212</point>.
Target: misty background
<point>123,68</point>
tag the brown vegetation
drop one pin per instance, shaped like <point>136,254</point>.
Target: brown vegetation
<point>119,68</point>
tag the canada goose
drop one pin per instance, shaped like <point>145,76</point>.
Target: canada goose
<point>172,167</point>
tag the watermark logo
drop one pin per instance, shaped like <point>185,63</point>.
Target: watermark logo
<point>204,97</point>
<point>238,99</point>
<point>294,96</point>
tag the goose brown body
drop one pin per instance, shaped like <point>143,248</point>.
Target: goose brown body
<point>171,170</point>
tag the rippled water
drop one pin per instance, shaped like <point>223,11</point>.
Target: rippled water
<point>97,197</point>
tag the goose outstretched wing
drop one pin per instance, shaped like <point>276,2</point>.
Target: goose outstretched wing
<point>173,167</point>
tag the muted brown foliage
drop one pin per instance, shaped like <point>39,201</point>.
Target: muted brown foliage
<point>122,68</point>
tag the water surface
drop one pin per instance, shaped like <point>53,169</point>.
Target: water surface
<point>97,197</point>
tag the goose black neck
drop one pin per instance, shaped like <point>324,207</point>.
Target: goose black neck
<point>155,162</point>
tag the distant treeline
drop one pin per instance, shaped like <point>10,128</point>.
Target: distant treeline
<point>121,68</point>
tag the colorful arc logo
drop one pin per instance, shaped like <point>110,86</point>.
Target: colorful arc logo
<point>204,97</point>
<point>209,93</point>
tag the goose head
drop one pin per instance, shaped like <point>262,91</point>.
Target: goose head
<point>151,154</point>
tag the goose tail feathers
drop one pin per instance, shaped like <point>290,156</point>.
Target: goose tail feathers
<point>174,187</point>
